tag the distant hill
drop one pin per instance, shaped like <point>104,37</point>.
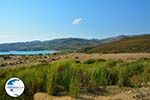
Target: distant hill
<point>120,43</point>
<point>68,44</point>
<point>132,44</point>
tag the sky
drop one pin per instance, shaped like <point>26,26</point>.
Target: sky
<point>27,20</point>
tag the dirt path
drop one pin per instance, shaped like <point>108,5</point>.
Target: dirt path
<point>116,94</point>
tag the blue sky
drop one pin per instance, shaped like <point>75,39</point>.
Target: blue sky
<point>26,20</point>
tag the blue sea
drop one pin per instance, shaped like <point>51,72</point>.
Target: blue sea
<point>28,52</point>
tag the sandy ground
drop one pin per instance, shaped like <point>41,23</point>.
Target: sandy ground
<point>122,56</point>
<point>116,94</point>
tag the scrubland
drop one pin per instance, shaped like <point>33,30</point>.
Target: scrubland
<point>74,78</point>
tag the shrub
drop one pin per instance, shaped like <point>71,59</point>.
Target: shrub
<point>91,61</point>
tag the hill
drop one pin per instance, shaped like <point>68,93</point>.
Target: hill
<point>68,44</point>
<point>63,44</point>
<point>132,44</point>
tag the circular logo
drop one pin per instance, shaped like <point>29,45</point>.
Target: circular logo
<point>14,87</point>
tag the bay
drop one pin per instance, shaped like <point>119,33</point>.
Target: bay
<point>28,52</point>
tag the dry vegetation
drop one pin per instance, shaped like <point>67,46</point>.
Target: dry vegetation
<point>25,60</point>
<point>135,44</point>
<point>120,56</point>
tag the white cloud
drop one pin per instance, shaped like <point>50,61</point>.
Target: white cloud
<point>77,21</point>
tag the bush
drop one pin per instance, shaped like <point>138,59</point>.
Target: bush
<point>91,61</point>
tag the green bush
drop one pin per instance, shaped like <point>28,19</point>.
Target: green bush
<point>91,61</point>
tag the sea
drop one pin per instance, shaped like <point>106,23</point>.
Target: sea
<point>28,52</point>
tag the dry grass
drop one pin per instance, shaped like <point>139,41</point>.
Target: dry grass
<point>122,56</point>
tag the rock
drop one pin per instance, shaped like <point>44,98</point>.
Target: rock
<point>138,96</point>
<point>129,92</point>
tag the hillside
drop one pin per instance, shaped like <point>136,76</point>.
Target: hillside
<point>117,44</point>
<point>64,44</point>
<point>131,44</point>
<point>68,44</point>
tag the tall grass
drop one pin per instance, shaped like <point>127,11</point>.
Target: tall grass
<point>70,77</point>
<point>52,79</point>
<point>74,87</point>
